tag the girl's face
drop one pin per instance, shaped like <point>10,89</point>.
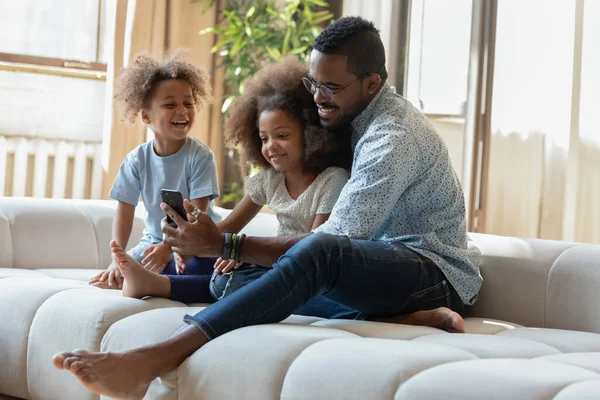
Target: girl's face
<point>170,111</point>
<point>282,140</point>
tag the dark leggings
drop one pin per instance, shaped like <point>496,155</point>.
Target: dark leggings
<point>192,286</point>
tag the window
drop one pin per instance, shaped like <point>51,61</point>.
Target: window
<point>438,56</point>
<point>58,33</point>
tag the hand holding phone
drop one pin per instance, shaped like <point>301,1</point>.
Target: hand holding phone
<point>174,199</point>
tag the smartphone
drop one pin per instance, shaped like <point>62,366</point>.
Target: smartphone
<point>174,199</point>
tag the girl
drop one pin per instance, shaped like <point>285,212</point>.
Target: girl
<point>277,124</point>
<point>166,93</point>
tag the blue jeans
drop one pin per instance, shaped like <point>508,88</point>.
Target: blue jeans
<point>222,285</point>
<point>374,278</point>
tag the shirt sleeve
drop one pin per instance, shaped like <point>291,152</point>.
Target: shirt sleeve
<point>203,180</point>
<point>127,187</point>
<point>386,164</point>
<point>331,187</point>
<point>256,186</point>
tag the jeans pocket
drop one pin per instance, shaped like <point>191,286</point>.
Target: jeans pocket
<point>219,283</point>
<point>429,298</point>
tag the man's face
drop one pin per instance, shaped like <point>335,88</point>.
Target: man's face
<point>330,70</point>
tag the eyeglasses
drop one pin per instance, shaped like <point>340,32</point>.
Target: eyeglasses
<point>327,92</point>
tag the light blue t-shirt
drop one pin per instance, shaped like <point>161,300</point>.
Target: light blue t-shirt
<point>191,171</point>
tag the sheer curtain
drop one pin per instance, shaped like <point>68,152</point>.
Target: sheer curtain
<point>587,222</point>
<point>544,153</point>
<point>531,112</point>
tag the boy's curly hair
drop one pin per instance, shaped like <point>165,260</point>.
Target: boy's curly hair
<point>136,83</point>
<point>278,86</point>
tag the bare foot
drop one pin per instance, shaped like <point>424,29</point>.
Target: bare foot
<point>441,318</point>
<point>139,282</point>
<point>115,375</point>
<point>128,375</point>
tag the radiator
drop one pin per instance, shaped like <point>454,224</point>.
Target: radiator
<point>46,168</point>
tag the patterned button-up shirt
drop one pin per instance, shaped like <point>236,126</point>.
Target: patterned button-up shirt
<point>403,189</point>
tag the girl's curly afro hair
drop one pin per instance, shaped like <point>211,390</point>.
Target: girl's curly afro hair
<point>278,86</point>
<point>136,83</point>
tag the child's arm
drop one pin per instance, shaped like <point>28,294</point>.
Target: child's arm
<point>241,215</point>
<point>123,223</point>
<point>201,203</point>
<point>319,220</point>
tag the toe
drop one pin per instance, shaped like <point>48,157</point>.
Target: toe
<point>78,366</point>
<point>59,359</point>
<point>88,378</point>
<point>69,361</point>
<point>83,372</point>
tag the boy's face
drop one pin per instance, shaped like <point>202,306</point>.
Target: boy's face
<point>170,111</point>
<point>331,70</point>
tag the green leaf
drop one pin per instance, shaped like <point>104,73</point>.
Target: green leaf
<point>286,41</point>
<point>321,13</point>
<point>318,3</point>
<point>298,50</point>
<point>309,16</point>
<point>250,12</point>
<point>324,18</point>
<point>204,31</point>
<point>273,53</point>
<point>237,46</point>
<point>220,44</point>
<point>248,30</point>
<point>272,12</point>
<point>233,18</point>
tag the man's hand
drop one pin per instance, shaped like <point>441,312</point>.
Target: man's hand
<point>197,237</point>
<point>112,276</point>
<point>156,257</point>
<point>224,266</point>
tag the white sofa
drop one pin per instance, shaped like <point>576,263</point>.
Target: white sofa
<point>533,334</point>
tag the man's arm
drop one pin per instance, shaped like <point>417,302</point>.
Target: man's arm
<point>387,163</point>
<point>265,251</point>
<point>202,238</point>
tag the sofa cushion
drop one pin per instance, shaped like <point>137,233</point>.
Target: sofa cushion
<point>494,379</point>
<point>523,266</point>
<point>574,290</point>
<point>20,299</point>
<point>83,275</point>
<point>75,319</point>
<point>587,390</point>
<point>351,368</point>
<point>20,273</point>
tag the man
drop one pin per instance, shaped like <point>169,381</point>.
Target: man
<point>395,247</point>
